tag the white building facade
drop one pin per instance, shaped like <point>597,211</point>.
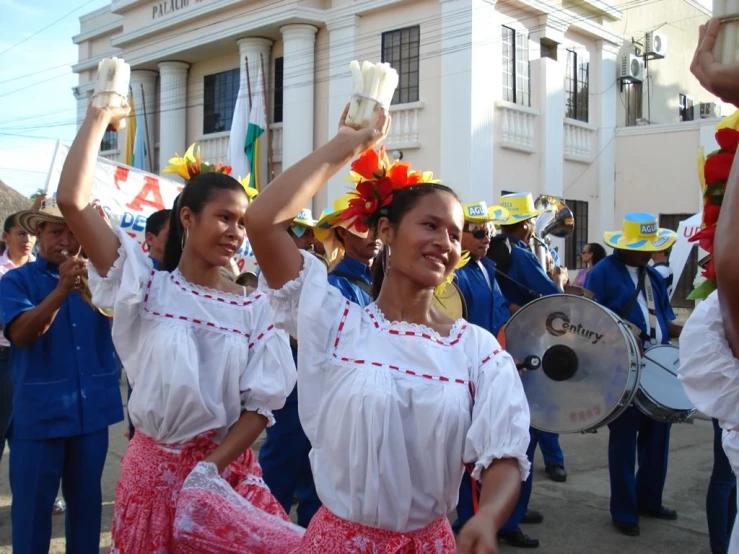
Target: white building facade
<point>513,95</point>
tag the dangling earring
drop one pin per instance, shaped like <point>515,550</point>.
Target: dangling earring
<point>386,261</point>
<point>184,238</point>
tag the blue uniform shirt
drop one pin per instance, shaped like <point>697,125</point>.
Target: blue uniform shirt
<point>526,269</point>
<point>155,263</point>
<point>613,287</point>
<point>65,383</point>
<point>350,290</point>
<point>486,306</point>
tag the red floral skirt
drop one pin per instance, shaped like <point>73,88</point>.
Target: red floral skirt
<point>148,495</point>
<point>329,533</point>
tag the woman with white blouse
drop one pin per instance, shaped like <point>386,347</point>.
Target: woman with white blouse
<point>205,361</point>
<point>395,398</point>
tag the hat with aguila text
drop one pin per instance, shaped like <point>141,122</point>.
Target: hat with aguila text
<point>640,232</point>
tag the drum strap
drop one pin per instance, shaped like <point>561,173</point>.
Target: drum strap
<point>651,308</point>
<point>353,279</point>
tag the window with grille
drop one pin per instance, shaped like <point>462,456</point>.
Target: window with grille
<point>579,237</point>
<point>278,99</point>
<point>516,68</point>
<point>220,93</point>
<point>686,108</point>
<point>685,285</point>
<point>633,102</point>
<point>577,84</point>
<point>400,48</point>
<point>109,142</point>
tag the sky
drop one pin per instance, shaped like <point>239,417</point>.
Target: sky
<point>36,80</point>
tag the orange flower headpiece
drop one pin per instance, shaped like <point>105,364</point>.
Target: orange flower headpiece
<point>713,172</point>
<point>377,180</point>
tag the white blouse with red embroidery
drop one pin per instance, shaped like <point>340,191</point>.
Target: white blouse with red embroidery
<point>394,410</point>
<point>195,357</point>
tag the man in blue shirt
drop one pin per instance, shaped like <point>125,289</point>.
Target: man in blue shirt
<point>486,305</point>
<point>525,280</point>
<point>284,454</point>
<point>625,283</point>
<point>65,394</point>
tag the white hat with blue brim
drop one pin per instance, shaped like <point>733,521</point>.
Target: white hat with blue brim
<point>520,206</point>
<point>641,232</point>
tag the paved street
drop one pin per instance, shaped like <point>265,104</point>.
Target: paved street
<point>576,512</point>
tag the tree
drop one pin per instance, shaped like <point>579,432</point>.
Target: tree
<point>36,194</point>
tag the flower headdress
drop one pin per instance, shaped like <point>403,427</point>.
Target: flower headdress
<point>713,172</point>
<point>190,165</point>
<point>377,180</point>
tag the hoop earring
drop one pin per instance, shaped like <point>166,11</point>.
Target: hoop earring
<point>386,261</point>
<point>184,238</point>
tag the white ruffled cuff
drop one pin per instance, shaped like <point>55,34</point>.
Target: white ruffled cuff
<point>261,411</point>
<point>524,466</point>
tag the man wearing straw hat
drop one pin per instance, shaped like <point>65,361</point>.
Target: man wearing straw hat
<point>486,305</point>
<point>625,283</point>
<point>522,281</point>
<point>284,454</point>
<point>349,254</point>
<point>66,391</point>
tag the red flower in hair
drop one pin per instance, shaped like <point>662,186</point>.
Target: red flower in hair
<point>369,165</point>
<point>727,139</point>
<point>704,238</point>
<point>370,197</point>
<point>711,212</point>
<point>718,167</point>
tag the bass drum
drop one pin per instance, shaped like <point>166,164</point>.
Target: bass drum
<point>590,363</point>
<point>661,395</point>
<point>451,302</point>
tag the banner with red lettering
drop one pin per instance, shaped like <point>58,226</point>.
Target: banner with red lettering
<point>682,248</point>
<point>130,195</point>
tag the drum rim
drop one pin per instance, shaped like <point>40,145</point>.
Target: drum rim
<point>681,413</point>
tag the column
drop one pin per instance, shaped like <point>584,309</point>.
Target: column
<point>608,97</point>
<point>144,87</point>
<point>254,49</point>
<point>470,83</point>
<point>342,44</point>
<point>172,111</point>
<point>298,81</point>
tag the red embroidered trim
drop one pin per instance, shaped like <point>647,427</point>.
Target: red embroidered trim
<point>405,371</point>
<point>208,324</point>
<point>184,288</point>
<point>490,357</point>
<point>444,342</point>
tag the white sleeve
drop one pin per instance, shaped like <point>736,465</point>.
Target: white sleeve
<point>708,369</point>
<point>270,375</point>
<point>126,280</point>
<point>500,414</point>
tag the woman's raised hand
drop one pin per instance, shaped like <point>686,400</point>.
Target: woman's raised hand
<point>369,137</point>
<point>113,115</point>
<point>719,79</point>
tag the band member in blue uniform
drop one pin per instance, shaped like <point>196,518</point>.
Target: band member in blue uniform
<point>349,254</point>
<point>284,454</point>
<point>65,393</point>
<point>486,305</point>
<point>525,280</point>
<point>625,283</point>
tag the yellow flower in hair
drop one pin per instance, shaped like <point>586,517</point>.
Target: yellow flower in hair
<point>246,183</point>
<point>186,166</point>
<point>463,260</point>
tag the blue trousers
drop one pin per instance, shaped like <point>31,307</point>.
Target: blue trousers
<point>36,467</point>
<point>6,396</point>
<point>635,436</point>
<point>721,497</point>
<point>285,463</point>
<point>550,449</point>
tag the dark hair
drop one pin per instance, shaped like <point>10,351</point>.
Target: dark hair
<point>197,193</point>
<point>597,252</point>
<point>404,200</point>
<point>10,222</point>
<point>156,221</point>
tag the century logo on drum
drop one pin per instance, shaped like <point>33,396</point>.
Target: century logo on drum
<point>558,323</point>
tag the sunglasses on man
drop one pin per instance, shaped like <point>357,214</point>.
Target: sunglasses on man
<point>481,230</point>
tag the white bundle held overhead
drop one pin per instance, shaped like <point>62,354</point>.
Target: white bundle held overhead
<point>374,86</point>
<point>727,42</point>
<point>111,86</point>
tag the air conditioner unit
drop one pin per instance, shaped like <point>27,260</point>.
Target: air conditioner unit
<point>655,44</point>
<point>709,110</point>
<point>632,68</point>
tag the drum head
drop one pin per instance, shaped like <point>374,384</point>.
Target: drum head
<point>659,378</point>
<point>587,362</point>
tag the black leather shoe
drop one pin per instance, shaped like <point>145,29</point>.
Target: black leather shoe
<point>556,473</point>
<point>662,513</point>
<point>518,539</point>
<point>628,529</point>
<point>532,516</point>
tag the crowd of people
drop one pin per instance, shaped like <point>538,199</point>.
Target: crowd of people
<point>383,414</point>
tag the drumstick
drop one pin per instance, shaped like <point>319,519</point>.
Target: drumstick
<point>660,365</point>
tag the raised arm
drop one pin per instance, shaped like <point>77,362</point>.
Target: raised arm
<point>73,196</point>
<point>269,216</point>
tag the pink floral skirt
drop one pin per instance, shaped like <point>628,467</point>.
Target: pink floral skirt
<point>149,496</point>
